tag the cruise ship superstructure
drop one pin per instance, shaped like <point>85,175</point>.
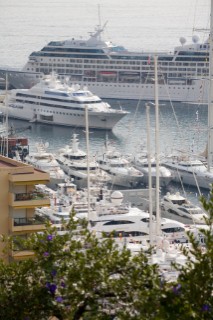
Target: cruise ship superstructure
<point>111,71</point>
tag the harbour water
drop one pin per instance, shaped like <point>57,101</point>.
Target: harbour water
<point>27,25</point>
<point>177,132</point>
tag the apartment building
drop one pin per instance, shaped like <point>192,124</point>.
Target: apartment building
<point>18,200</point>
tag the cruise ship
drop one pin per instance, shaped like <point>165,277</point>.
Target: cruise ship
<point>111,71</point>
<point>55,103</point>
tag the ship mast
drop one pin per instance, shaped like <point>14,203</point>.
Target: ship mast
<point>210,100</point>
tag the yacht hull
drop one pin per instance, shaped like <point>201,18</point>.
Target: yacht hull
<point>70,118</point>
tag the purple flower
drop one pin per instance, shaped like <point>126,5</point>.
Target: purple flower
<point>63,285</point>
<point>53,273</point>
<point>46,254</point>
<point>51,287</point>
<point>176,289</point>
<point>59,299</point>
<point>206,308</point>
<point>49,237</point>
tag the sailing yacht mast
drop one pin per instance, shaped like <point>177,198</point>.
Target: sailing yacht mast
<point>158,217</point>
<point>88,158</point>
<point>210,101</point>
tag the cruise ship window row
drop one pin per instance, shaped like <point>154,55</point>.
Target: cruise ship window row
<point>49,105</point>
<point>53,99</point>
<point>122,63</point>
<point>121,67</point>
<point>143,74</point>
<point>59,50</point>
<point>69,55</point>
<point>53,112</point>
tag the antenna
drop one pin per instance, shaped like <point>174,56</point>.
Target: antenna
<point>99,15</point>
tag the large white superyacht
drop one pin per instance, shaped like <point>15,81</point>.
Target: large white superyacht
<point>111,71</point>
<point>53,102</point>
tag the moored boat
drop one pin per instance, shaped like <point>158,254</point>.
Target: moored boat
<point>52,102</point>
<point>101,65</point>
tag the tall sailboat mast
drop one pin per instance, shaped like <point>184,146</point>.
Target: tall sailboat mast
<point>210,101</point>
<point>158,215</point>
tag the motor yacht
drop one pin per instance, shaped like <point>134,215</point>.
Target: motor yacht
<point>179,205</point>
<point>77,165</point>
<point>121,171</point>
<point>189,171</point>
<point>44,160</point>
<point>52,102</point>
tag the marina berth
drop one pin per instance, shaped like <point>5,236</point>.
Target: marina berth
<point>111,71</point>
<point>54,103</point>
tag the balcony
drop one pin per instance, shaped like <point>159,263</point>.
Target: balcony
<point>21,255</point>
<point>29,200</point>
<point>27,225</point>
<point>30,176</point>
<point>20,251</point>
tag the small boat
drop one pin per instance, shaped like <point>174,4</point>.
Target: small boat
<point>108,73</point>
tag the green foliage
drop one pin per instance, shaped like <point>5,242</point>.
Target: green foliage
<point>76,276</point>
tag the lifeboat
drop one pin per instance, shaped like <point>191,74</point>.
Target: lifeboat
<point>108,73</point>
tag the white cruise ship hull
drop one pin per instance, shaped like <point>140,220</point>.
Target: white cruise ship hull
<point>195,93</point>
<point>73,118</point>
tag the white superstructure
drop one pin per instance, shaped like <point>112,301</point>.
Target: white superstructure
<point>45,160</point>
<point>121,171</point>
<point>55,103</point>
<point>141,162</point>
<point>179,205</point>
<point>111,71</point>
<point>189,171</point>
<point>77,165</point>
<point>125,221</point>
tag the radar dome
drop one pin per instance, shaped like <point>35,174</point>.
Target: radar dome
<point>195,38</point>
<point>117,197</point>
<point>182,40</point>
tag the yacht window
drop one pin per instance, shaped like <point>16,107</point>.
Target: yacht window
<point>117,234</point>
<point>145,219</point>
<point>115,222</point>
<point>173,229</point>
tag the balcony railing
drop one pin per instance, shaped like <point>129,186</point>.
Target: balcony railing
<point>26,225</point>
<point>30,196</point>
<point>27,221</point>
